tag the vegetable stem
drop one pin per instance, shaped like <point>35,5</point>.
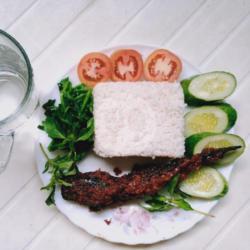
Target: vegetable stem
<point>44,152</point>
<point>191,209</point>
<point>204,213</point>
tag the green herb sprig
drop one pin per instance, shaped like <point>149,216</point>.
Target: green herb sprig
<point>70,125</point>
<point>168,198</point>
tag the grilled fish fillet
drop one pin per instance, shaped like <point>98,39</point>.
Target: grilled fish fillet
<point>99,189</point>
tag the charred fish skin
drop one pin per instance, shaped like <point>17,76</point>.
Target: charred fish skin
<point>93,189</point>
<point>99,189</point>
<point>210,155</point>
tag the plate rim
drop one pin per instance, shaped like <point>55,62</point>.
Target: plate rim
<point>88,229</point>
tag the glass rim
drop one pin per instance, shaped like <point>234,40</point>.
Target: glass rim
<point>29,83</point>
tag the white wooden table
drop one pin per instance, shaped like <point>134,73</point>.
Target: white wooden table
<point>210,34</point>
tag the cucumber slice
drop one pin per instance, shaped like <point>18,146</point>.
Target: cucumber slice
<point>205,183</point>
<point>216,118</point>
<point>196,143</point>
<point>208,87</point>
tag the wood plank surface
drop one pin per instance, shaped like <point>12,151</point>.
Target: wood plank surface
<point>210,34</point>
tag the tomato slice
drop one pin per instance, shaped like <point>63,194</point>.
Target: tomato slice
<point>94,68</point>
<point>162,65</point>
<point>127,65</point>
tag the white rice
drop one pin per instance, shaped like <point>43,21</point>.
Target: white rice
<point>139,119</point>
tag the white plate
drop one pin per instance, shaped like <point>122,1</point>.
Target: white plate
<point>130,224</point>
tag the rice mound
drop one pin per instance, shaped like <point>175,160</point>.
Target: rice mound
<point>139,119</point>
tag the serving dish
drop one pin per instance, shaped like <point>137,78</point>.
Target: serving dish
<point>127,224</point>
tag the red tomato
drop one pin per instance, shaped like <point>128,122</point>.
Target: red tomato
<point>162,65</point>
<point>93,68</point>
<point>127,65</point>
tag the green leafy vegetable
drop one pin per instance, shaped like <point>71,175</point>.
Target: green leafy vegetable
<point>52,129</point>
<point>171,186</point>
<point>154,205</point>
<point>70,125</point>
<point>168,198</point>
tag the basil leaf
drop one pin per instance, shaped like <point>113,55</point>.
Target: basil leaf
<point>51,198</point>
<point>181,203</point>
<point>50,126</point>
<point>156,206</point>
<point>87,133</point>
<point>170,187</point>
<point>58,144</point>
<point>86,100</point>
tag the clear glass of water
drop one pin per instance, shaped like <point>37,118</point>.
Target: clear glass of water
<point>18,99</point>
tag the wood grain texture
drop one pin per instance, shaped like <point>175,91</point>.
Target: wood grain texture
<point>210,34</point>
<point>235,234</point>
<point>51,18</point>
<point>205,31</point>
<point>232,55</point>
<point>72,44</point>
<point>58,235</point>
<point>12,10</point>
<point>161,18</point>
<point>24,217</point>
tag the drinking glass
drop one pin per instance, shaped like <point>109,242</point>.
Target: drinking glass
<point>18,98</point>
